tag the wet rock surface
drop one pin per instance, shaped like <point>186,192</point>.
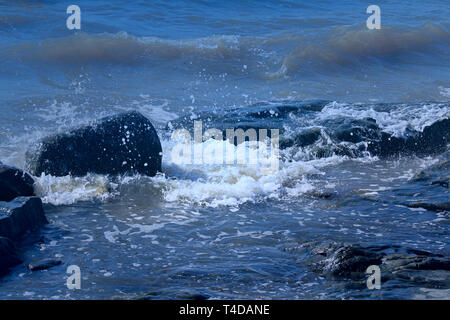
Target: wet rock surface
<point>431,187</point>
<point>157,295</point>
<point>124,143</point>
<point>432,140</point>
<point>408,266</point>
<point>21,215</point>
<point>14,183</point>
<point>340,135</point>
<point>8,255</point>
<point>443,206</point>
<point>20,212</point>
<point>435,175</point>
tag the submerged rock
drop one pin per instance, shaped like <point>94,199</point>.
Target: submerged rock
<point>21,215</point>
<point>8,255</point>
<point>124,143</point>
<point>43,264</point>
<point>14,183</point>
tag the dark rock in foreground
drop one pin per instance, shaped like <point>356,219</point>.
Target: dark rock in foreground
<point>8,256</point>
<point>125,143</point>
<point>14,183</point>
<point>350,261</point>
<point>21,215</point>
<point>43,264</point>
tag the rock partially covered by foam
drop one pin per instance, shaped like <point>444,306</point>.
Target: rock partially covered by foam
<point>21,215</point>
<point>14,183</point>
<point>124,143</point>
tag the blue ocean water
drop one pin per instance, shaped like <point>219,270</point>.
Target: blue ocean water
<point>223,231</point>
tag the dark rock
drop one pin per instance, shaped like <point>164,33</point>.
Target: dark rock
<point>20,215</point>
<point>183,295</point>
<point>125,143</point>
<point>344,135</point>
<point>348,261</point>
<point>8,256</point>
<point>435,279</point>
<point>43,264</point>
<point>432,140</point>
<point>302,139</point>
<point>436,175</point>
<point>14,183</point>
<point>415,262</point>
<point>442,183</point>
<point>444,206</point>
<point>352,130</point>
<point>258,116</point>
<point>321,194</point>
<point>345,261</point>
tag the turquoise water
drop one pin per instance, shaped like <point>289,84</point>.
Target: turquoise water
<point>223,231</point>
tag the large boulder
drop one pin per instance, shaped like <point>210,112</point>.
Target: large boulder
<point>21,215</point>
<point>14,183</point>
<point>8,255</point>
<point>124,143</point>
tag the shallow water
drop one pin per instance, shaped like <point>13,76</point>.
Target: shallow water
<point>223,231</point>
